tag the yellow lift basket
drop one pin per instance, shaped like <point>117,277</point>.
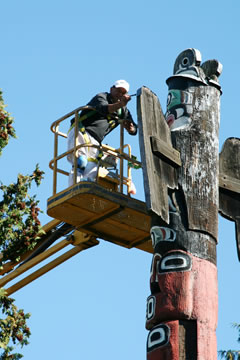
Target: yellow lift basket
<point>100,208</point>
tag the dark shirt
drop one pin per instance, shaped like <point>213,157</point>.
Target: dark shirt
<point>102,123</point>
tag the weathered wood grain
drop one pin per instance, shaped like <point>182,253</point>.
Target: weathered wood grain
<point>158,175</point>
<point>198,145</point>
<point>165,152</point>
<point>229,184</point>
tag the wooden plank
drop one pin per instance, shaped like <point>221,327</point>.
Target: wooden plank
<point>93,204</point>
<point>94,190</point>
<point>144,246</point>
<point>70,214</point>
<point>108,215</point>
<point>139,241</point>
<point>229,165</point>
<point>133,218</point>
<point>91,218</point>
<point>158,175</point>
<point>229,158</point>
<point>121,231</point>
<point>113,231</point>
<point>229,183</point>
<point>82,208</point>
<point>165,151</point>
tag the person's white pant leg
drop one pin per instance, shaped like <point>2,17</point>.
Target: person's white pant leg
<point>70,145</point>
<point>90,172</point>
<point>70,157</point>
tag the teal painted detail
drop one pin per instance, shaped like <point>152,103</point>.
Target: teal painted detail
<point>174,98</point>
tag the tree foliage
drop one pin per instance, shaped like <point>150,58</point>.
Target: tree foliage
<point>13,327</point>
<point>20,230</point>
<point>6,128</point>
<point>19,224</point>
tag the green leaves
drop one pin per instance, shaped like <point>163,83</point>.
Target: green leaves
<point>6,128</point>
<point>13,327</point>
<point>230,355</point>
<point>20,227</point>
<point>20,230</point>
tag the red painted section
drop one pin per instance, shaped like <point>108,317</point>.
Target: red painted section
<point>169,351</point>
<point>206,342</point>
<point>190,294</point>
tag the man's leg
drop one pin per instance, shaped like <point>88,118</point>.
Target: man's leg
<point>91,170</point>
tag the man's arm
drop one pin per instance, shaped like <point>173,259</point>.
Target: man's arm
<point>122,102</point>
<point>102,105</point>
<point>130,127</point>
<point>129,124</point>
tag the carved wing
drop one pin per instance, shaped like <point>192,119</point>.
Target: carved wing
<point>229,184</point>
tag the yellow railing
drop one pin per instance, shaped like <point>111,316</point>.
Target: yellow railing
<point>118,153</point>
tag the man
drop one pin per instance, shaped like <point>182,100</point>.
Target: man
<point>94,125</point>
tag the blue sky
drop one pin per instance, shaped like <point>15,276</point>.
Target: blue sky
<point>55,55</point>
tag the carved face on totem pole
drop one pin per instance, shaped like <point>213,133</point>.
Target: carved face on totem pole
<point>193,117</point>
<point>177,281</point>
<point>181,94</point>
<point>162,341</point>
<point>179,109</point>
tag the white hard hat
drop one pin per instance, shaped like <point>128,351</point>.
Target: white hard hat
<point>123,84</point>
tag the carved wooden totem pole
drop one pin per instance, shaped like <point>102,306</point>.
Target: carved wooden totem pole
<point>180,155</point>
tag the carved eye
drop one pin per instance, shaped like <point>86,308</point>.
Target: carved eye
<point>185,61</point>
<point>169,99</point>
<point>151,304</point>
<point>176,261</point>
<point>158,336</point>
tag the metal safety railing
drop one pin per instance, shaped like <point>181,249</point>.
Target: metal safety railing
<point>117,153</point>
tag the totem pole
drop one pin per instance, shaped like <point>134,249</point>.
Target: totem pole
<point>180,155</point>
